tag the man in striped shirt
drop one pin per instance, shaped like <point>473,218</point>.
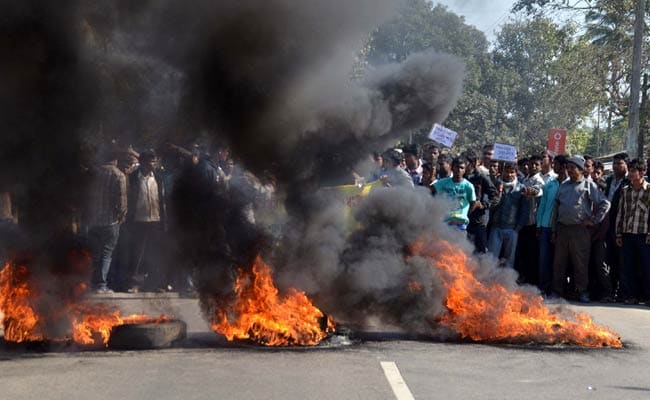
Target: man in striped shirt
<point>633,233</point>
<point>107,210</point>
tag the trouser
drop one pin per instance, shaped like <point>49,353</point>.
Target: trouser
<point>504,239</point>
<point>478,235</point>
<point>527,256</point>
<point>546,251</point>
<point>102,241</point>
<point>615,260</point>
<point>636,262</point>
<point>572,245</point>
<point>118,276</point>
<point>599,269</point>
<point>146,266</point>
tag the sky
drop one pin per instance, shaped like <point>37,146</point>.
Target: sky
<point>486,15</point>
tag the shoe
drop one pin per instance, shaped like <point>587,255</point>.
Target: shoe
<point>608,299</point>
<point>584,298</point>
<point>631,301</point>
<point>133,289</point>
<point>104,290</point>
<point>551,298</point>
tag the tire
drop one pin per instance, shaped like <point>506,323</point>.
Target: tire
<point>147,336</point>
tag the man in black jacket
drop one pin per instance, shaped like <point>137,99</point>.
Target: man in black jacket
<point>614,184</point>
<point>487,196</point>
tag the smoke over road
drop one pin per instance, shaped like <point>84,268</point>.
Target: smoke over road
<point>272,80</point>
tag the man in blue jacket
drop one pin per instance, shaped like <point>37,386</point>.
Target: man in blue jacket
<point>508,217</point>
<point>544,231</point>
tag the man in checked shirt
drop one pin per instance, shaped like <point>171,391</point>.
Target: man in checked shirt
<point>107,210</point>
<point>633,234</point>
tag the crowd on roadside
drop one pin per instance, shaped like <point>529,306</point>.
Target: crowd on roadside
<point>563,223</point>
<point>130,220</point>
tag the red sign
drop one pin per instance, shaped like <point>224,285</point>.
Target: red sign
<point>556,141</point>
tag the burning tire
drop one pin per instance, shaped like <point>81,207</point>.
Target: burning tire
<point>147,336</point>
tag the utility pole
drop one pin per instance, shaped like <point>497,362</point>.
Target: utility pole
<point>632,144</point>
<point>643,116</point>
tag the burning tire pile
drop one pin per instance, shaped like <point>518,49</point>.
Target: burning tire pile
<point>142,336</point>
<point>258,313</point>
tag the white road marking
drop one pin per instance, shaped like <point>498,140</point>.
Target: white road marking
<point>396,381</point>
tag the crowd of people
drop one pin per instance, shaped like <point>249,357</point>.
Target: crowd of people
<point>138,206</point>
<point>561,222</point>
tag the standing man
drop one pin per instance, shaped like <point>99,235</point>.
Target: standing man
<point>107,210</point>
<point>488,198</point>
<point>118,276</point>
<point>579,205</point>
<point>613,187</point>
<point>393,173</point>
<point>460,191</point>
<point>544,231</point>
<point>147,212</point>
<point>509,216</point>
<point>527,259</point>
<point>633,234</point>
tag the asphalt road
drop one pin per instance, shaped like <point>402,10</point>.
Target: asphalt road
<point>207,368</point>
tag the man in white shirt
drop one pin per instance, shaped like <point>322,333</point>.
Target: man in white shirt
<point>146,214</point>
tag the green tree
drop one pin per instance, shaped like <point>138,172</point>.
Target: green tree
<point>554,83</point>
<point>609,25</point>
<point>421,26</point>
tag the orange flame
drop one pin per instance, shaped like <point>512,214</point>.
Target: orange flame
<point>90,323</point>
<point>260,314</point>
<point>20,322</point>
<point>491,312</point>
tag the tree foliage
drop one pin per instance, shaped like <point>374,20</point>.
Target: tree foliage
<point>609,27</point>
<point>537,75</point>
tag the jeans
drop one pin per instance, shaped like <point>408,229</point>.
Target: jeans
<point>478,235</point>
<point>636,261</point>
<point>504,239</point>
<point>103,240</point>
<point>546,252</point>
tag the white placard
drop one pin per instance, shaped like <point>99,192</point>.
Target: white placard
<point>442,135</point>
<point>505,152</point>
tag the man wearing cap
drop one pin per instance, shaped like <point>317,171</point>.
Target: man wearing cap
<point>579,206</point>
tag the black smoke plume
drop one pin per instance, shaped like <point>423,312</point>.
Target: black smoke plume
<point>47,96</point>
<point>270,79</point>
<point>273,81</point>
